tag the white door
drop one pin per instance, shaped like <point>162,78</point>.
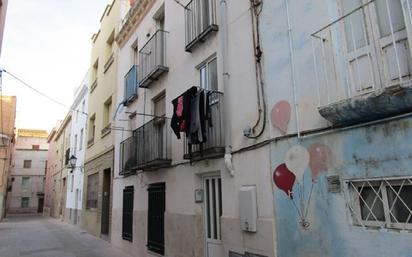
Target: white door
<point>392,41</point>
<point>360,53</point>
<point>76,205</point>
<point>212,187</point>
<point>371,33</point>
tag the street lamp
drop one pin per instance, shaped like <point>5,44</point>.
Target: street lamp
<point>72,162</point>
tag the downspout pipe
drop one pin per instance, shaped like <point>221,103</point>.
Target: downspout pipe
<point>223,38</point>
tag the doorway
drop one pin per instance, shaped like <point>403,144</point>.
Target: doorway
<point>106,203</point>
<point>212,188</point>
<point>40,205</point>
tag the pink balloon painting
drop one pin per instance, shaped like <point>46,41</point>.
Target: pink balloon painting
<point>319,159</point>
<point>280,116</point>
<point>284,179</point>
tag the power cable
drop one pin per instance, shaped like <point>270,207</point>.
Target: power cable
<point>41,93</point>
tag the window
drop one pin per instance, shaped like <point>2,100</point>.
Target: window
<point>27,164</point>
<point>25,181</point>
<point>72,184</point>
<point>208,75</point>
<point>94,72</point>
<point>83,106</point>
<point>159,104</point>
<point>382,203</point>
<point>92,191</point>
<point>155,219</point>
<point>25,202</point>
<point>127,223</point>
<point>75,145</point>
<point>92,128</point>
<point>81,140</point>
<point>35,147</point>
<point>107,109</point>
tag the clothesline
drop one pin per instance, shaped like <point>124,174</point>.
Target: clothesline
<point>211,91</point>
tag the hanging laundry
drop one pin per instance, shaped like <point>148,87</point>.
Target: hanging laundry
<point>181,112</point>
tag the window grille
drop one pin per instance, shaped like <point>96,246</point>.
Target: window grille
<point>92,188</point>
<point>127,222</point>
<point>155,229</point>
<point>381,203</point>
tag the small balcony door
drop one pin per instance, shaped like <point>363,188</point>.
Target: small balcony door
<point>212,188</point>
<point>377,49</point>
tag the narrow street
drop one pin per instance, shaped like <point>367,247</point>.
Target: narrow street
<point>37,236</point>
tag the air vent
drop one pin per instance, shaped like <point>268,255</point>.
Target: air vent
<point>334,185</point>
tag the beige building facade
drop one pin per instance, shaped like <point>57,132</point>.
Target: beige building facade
<point>98,164</point>
<point>172,198</point>
<point>28,172</point>
<point>8,117</point>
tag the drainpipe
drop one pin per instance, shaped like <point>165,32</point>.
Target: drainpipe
<point>227,127</point>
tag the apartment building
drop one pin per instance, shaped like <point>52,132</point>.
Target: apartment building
<point>3,12</point>
<point>204,191</point>
<point>51,167</point>
<point>98,164</point>
<point>26,191</point>
<point>77,151</point>
<point>8,118</point>
<point>338,83</point>
<point>59,173</point>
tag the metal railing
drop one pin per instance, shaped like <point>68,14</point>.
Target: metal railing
<point>130,84</point>
<point>152,58</point>
<point>200,19</point>
<point>128,150</point>
<point>364,50</point>
<point>214,141</point>
<point>149,148</point>
<point>154,144</point>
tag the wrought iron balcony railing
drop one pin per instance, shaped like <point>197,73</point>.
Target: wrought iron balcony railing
<point>130,85</point>
<point>200,19</point>
<point>214,146</point>
<point>149,148</point>
<point>152,59</point>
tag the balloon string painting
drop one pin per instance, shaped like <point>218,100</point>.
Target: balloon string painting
<point>290,175</point>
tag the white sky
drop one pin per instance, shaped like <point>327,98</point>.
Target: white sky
<point>47,44</point>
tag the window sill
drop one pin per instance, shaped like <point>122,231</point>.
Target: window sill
<point>90,144</point>
<point>108,63</point>
<point>94,85</point>
<point>106,131</point>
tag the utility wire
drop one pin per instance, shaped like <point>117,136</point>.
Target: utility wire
<point>41,93</point>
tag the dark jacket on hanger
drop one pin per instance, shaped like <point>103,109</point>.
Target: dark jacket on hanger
<point>181,119</point>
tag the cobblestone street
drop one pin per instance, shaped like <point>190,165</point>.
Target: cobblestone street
<point>36,236</point>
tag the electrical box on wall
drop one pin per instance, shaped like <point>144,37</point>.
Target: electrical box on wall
<point>248,208</point>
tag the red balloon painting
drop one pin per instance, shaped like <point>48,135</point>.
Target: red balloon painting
<point>284,179</point>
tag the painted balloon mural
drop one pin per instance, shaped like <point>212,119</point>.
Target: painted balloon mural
<point>280,116</point>
<point>290,175</point>
<point>284,179</point>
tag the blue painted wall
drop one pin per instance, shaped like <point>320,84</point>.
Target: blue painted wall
<point>382,150</point>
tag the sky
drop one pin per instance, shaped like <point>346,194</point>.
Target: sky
<point>47,44</point>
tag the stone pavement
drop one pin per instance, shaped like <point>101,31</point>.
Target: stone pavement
<point>36,236</point>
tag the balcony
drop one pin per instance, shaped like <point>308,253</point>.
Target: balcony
<point>214,147</point>
<point>148,149</point>
<point>152,58</point>
<point>363,63</point>
<point>130,85</point>
<point>200,20</point>
<point>128,150</point>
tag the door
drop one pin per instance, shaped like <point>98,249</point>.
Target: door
<point>212,187</point>
<point>377,47</point>
<point>106,203</point>
<point>360,54</point>
<point>392,41</point>
<point>40,205</point>
<point>76,206</point>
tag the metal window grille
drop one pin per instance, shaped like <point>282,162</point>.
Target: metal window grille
<point>92,188</point>
<point>155,219</point>
<point>383,203</point>
<point>127,222</point>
